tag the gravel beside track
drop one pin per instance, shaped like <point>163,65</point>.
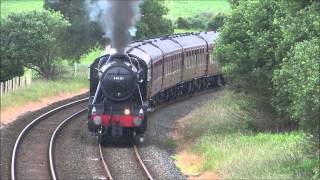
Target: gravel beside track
<point>122,162</point>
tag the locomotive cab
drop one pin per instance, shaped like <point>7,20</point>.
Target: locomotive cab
<point>116,107</point>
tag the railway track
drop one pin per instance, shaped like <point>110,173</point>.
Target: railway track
<point>30,157</point>
<point>52,142</point>
<point>134,148</point>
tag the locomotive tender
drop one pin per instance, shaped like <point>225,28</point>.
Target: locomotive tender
<point>123,86</point>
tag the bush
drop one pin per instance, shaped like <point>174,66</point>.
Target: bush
<point>297,84</point>
<point>199,21</point>
<point>216,22</point>
<point>36,40</point>
<point>182,23</point>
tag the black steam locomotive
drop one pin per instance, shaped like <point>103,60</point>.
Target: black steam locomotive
<point>116,106</point>
<point>150,72</point>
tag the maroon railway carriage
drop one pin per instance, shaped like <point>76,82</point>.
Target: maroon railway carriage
<point>123,86</point>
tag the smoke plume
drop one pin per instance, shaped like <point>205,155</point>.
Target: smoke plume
<point>117,19</point>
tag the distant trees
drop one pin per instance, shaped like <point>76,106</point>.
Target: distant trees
<point>83,34</point>
<point>35,40</point>
<point>153,21</point>
<point>216,22</point>
<point>198,21</point>
<point>272,48</point>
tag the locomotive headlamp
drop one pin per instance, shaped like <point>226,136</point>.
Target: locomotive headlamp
<point>94,111</point>
<point>141,112</point>
<point>126,111</point>
<point>97,120</point>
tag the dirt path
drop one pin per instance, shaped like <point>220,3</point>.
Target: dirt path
<point>11,114</point>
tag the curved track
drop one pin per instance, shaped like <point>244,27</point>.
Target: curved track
<point>31,145</point>
<point>53,140</point>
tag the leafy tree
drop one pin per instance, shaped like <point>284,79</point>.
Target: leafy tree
<point>9,68</point>
<point>247,44</point>
<point>297,84</point>
<point>301,23</point>
<point>34,40</point>
<point>153,21</point>
<point>216,22</point>
<point>83,34</point>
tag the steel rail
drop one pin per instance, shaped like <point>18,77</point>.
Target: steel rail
<point>53,140</point>
<point>105,164</point>
<point>142,163</point>
<point>30,126</point>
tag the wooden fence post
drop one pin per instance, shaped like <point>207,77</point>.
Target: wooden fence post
<point>5,86</point>
<point>1,86</point>
<point>13,84</point>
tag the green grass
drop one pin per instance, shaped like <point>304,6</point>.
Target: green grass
<point>189,8</point>
<point>223,136</point>
<point>170,143</point>
<point>40,89</point>
<point>185,30</point>
<point>259,156</point>
<point>17,6</point>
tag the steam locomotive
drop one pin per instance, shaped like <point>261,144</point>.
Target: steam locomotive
<point>124,86</point>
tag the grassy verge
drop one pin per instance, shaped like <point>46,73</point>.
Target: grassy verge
<point>40,89</point>
<point>223,137</point>
<point>17,6</point>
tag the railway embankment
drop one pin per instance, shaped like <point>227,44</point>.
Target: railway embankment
<point>227,136</point>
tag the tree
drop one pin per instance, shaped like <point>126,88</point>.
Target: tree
<point>9,68</point>
<point>83,34</point>
<point>247,44</point>
<point>216,22</point>
<point>272,47</point>
<point>35,40</point>
<point>153,21</point>
<point>297,85</point>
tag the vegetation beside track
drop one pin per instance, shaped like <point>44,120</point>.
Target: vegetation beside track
<point>41,89</point>
<point>238,139</point>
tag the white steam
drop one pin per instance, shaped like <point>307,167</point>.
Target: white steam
<point>117,19</point>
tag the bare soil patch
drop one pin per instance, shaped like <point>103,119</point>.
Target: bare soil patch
<point>11,114</point>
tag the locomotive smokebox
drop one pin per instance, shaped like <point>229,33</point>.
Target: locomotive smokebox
<point>119,77</point>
